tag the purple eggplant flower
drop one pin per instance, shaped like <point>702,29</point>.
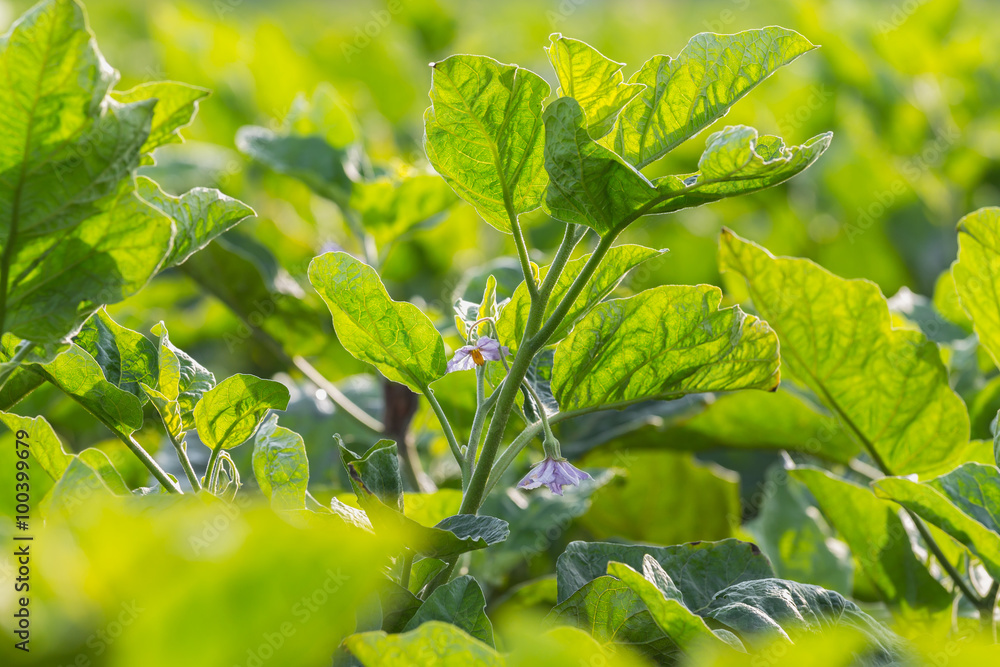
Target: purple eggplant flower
<point>554,473</point>
<point>484,349</point>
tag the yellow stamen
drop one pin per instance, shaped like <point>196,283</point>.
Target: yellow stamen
<point>477,356</point>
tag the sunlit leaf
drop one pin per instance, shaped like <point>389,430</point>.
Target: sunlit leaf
<point>176,105</point>
<point>484,135</point>
<point>126,357</point>
<point>280,465</point>
<point>230,412</point>
<point>977,274</point>
<point>434,642</point>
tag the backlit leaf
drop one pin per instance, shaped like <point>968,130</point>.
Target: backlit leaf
<point>977,274</point>
<point>280,465</point>
<point>230,412</point>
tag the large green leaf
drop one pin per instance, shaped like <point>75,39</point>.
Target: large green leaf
<point>665,342</point>
<point>42,443</point>
<point>280,465</point>
<point>437,643</point>
<point>657,484</point>
<point>395,337</point>
<point>588,183</point>
<point>176,105</point>
<point>612,612</point>
<point>390,207</point>
<point>686,629</point>
<point>684,95</point>
<point>230,412</point>
<point>977,274</point>
<point>616,263</point>
<point>876,535</point>
<point>592,79</point>
<point>767,610</point>
<point>699,569</point>
<point>483,134</point>
<point>200,215</point>
<point>737,162</point>
<point>460,602</point>
<point>887,385</point>
<point>964,503</point>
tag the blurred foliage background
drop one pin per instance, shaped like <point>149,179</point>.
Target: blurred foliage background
<point>911,90</point>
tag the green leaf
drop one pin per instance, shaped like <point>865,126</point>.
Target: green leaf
<point>395,337</point>
<point>423,572</point>
<point>200,215</point>
<point>390,207</point>
<point>592,79</point>
<point>434,642</point>
<point>699,569</point>
<point>78,484</point>
<point>686,94</point>
<point>965,503</point>
<point>101,464</point>
<point>618,261</point>
<point>324,168</point>
<point>280,465</point>
<point>612,612</point>
<point>737,162</point>
<point>460,602</point>
<point>684,628</point>
<point>659,484</point>
<point>664,342</point>
<point>126,357</point>
<point>449,538</point>
<point>176,105</point>
<point>483,134</point>
<point>43,443</point>
<point>230,412</point>
<point>74,235</point>
<point>769,610</point>
<point>588,183</point>
<point>376,473</point>
<point>875,533</point>
<point>192,379</point>
<point>398,606</point>
<point>977,274</point>
<point>888,386</point>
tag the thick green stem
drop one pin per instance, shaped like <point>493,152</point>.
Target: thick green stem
<point>477,426</point>
<point>522,256</point>
<point>445,425</point>
<point>185,462</point>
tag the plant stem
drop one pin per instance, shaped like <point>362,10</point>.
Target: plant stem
<point>185,462</point>
<point>213,463</point>
<point>477,427</point>
<point>522,256</point>
<point>14,362</point>
<point>445,425</point>
<point>337,396</point>
<point>151,465</point>
<point>509,454</point>
<point>987,611</point>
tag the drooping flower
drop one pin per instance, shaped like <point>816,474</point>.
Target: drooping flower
<point>484,349</point>
<point>554,473</point>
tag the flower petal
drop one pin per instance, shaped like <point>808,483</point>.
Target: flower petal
<point>461,361</point>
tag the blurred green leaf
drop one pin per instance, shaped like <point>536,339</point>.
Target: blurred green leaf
<point>435,642</point>
<point>683,95</point>
<point>176,105</point>
<point>230,412</point>
<point>390,207</point>
<point>892,392</point>
<point>280,465</point>
<point>483,134</point>
<point>395,337</point>
<point>459,602</point>
<point>666,341</point>
<point>592,79</point>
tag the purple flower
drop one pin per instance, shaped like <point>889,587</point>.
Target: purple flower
<point>484,349</point>
<point>554,473</point>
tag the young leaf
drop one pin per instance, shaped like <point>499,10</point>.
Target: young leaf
<point>395,337</point>
<point>376,473</point>
<point>965,503</point>
<point>230,412</point>
<point>667,341</point>
<point>280,465</point>
<point>588,183</point>
<point>977,274</point>
<point>686,94</point>
<point>483,134</point>
<point>612,612</point>
<point>592,79</point>
<point>617,262</point>
<point>686,629</point>
<point>176,105</point>
<point>126,357</point>
<point>887,385</point>
<point>766,610</point>
<point>459,602</point>
<point>180,384</point>
<point>433,642</point>
<point>200,215</point>
<point>699,569</point>
<point>875,533</point>
<point>737,162</point>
